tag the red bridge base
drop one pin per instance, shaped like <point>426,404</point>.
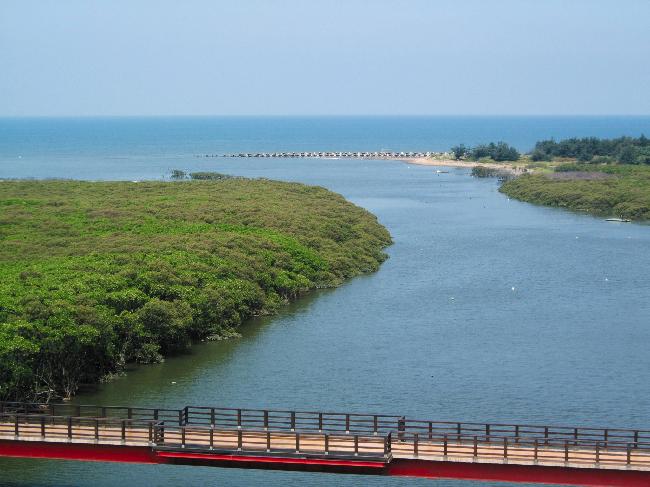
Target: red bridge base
<point>591,477</point>
<point>397,467</point>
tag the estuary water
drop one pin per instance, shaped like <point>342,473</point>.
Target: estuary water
<point>488,309</point>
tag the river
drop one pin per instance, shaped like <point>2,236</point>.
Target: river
<point>488,309</point>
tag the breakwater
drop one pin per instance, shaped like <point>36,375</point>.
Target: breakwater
<point>327,155</point>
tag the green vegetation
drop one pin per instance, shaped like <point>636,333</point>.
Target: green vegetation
<point>623,150</point>
<point>491,172</point>
<point>96,275</point>
<point>611,190</point>
<point>499,152</point>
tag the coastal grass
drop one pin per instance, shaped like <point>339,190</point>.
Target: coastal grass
<point>605,189</point>
<point>95,275</point>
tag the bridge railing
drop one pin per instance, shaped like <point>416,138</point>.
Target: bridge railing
<point>83,429</point>
<point>517,432</point>
<point>270,441</point>
<point>163,435</point>
<point>550,450</point>
<point>92,411</point>
<point>330,422</point>
<point>288,420</point>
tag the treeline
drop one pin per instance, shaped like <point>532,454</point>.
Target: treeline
<point>97,275</point>
<point>499,152</point>
<point>622,150</point>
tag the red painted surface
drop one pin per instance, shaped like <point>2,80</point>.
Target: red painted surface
<point>519,473</point>
<point>77,451</point>
<point>397,467</point>
<point>274,463</point>
<point>274,459</point>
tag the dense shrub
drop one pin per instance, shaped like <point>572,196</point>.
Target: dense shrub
<point>623,191</point>
<point>625,150</point>
<point>95,275</point>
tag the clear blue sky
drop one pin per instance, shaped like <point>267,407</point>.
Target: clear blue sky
<point>238,57</point>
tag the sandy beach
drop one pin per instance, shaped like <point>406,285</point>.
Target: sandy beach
<point>430,161</point>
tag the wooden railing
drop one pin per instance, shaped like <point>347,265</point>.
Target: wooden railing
<point>325,434</point>
<point>508,449</point>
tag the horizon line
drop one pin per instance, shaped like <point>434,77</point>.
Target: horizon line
<point>356,115</point>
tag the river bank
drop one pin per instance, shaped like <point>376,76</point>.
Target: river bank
<point>448,162</point>
<point>621,191</point>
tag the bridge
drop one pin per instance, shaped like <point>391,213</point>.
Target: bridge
<point>368,444</point>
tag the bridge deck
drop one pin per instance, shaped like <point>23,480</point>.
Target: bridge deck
<point>376,441</point>
<point>204,438</point>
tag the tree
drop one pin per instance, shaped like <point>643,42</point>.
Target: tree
<point>627,155</point>
<point>459,151</point>
<point>178,174</point>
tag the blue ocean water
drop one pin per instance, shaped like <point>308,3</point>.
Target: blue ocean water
<point>136,148</point>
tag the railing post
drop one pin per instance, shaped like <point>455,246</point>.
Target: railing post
<point>597,452</point>
<point>575,436</point>
<point>320,422</point>
<point>293,421</point>
<point>387,444</point>
<point>182,436</point>
<point>517,433</point>
<point>69,427</point>
<point>327,444</point>
<point>356,445</point>
<point>458,429</point>
<point>606,436</point>
<point>347,423</point>
<point>240,440</point>
<point>16,430</point>
<point>546,435</point>
<point>129,413</point>
<point>211,436</point>
<point>566,451</point>
<point>124,430</point>
<point>78,410</point>
<point>180,417</point>
<point>268,441</point>
<point>536,454</point>
<point>629,454</point>
<point>445,445</point>
<point>430,430</point>
<point>505,447</point>
<point>297,442</point>
<point>266,420</point>
<point>212,417</point>
<point>475,446</point>
<point>186,413</point>
<point>97,430</point>
<point>487,433</point>
<point>375,425</point>
<point>103,413</point>
<point>415,444</point>
<point>156,414</point>
<point>401,428</point>
<point>239,418</point>
<point>150,432</point>
<point>636,439</point>
<point>43,426</point>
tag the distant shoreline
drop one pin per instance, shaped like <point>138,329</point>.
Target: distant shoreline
<point>429,161</point>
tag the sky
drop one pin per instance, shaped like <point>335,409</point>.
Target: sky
<point>324,57</point>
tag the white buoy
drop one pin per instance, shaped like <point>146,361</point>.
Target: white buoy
<point>513,288</point>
